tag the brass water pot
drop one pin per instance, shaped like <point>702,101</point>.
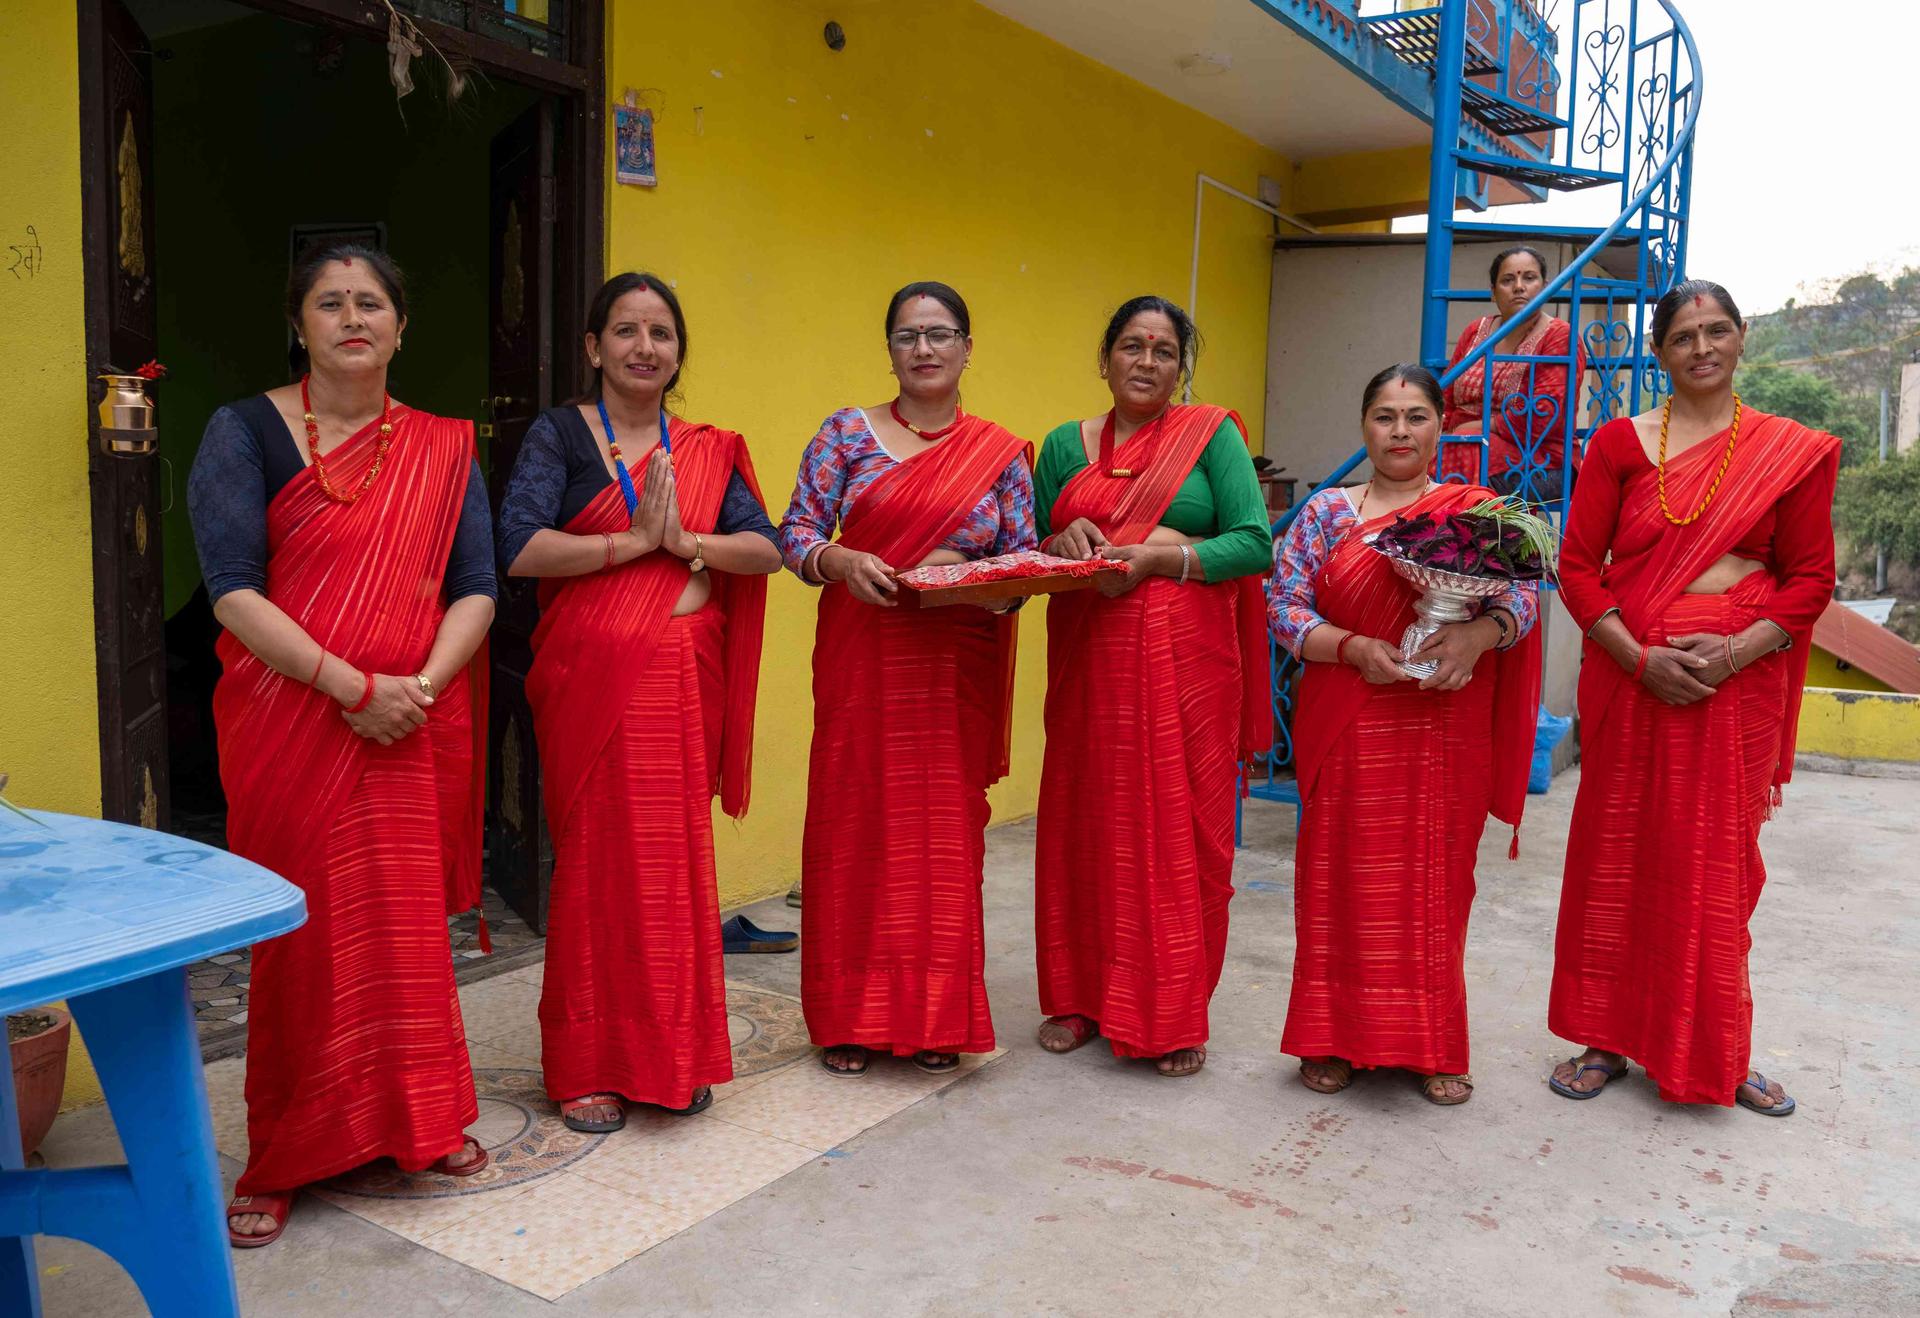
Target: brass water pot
<point>126,418</point>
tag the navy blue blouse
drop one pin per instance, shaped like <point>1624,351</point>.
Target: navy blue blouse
<point>560,471</point>
<point>246,457</point>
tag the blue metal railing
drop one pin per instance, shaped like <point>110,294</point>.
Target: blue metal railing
<point>1638,135</point>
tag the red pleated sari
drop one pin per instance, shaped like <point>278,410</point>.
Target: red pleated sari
<point>1528,400</point>
<point>910,724</point>
<point>1396,785</point>
<point>1663,862</point>
<point>354,1044</point>
<point>641,718</point>
<point>1153,697</point>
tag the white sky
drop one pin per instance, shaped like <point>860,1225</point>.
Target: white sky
<point>1807,164</point>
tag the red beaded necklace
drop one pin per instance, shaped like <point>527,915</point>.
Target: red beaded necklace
<point>1106,443</point>
<point>929,435</point>
<point>380,450</point>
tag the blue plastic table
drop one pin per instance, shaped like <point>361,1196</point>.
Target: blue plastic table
<point>109,917</point>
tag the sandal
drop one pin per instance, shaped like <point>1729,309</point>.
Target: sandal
<point>850,1052</point>
<point>587,1126</point>
<point>1567,1090</point>
<point>276,1206</point>
<point>935,1063</point>
<point>702,1100</point>
<point>1342,1068</point>
<point>1178,1073</point>
<point>446,1168</point>
<point>1783,1107</point>
<point>1084,1030</point>
<point>1431,1090</point>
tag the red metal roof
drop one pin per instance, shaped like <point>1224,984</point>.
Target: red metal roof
<point>1869,647</point>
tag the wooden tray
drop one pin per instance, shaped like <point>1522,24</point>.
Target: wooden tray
<point>989,592</point>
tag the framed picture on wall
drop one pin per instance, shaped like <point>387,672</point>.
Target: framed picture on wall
<point>633,146</point>
<point>303,239</point>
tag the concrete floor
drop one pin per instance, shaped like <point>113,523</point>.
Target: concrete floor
<point>1082,1185</point>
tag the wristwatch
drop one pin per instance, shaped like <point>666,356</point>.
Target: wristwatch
<point>698,563</point>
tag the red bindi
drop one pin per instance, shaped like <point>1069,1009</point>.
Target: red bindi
<point>348,262</point>
<point>1699,301</point>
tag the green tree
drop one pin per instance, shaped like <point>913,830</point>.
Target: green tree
<point>1812,401</point>
<point>1878,504</point>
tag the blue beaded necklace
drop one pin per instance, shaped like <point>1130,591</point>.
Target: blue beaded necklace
<point>625,477</point>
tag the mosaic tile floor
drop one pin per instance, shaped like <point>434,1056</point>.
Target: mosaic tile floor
<point>555,1209</point>
<point>219,985</point>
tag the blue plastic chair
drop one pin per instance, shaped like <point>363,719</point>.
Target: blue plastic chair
<point>109,917</point>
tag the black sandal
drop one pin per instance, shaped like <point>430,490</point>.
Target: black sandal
<point>858,1053</point>
<point>702,1100</point>
<point>936,1063</point>
<point>1568,1091</point>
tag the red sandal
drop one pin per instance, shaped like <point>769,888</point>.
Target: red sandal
<point>276,1206</point>
<point>1084,1030</point>
<point>446,1168</point>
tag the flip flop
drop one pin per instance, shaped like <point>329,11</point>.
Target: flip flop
<point>586,1127</point>
<point>276,1206</point>
<point>702,1100</point>
<point>1568,1091</point>
<point>446,1167</point>
<point>1784,1108</point>
<point>949,1062</point>
<point>848,1072</point>
<point>1084,1030</point>
<point>742,935</point>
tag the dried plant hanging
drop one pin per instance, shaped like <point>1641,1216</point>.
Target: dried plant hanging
<point>407,43</point>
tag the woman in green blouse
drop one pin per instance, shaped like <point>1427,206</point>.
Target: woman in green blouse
<point>1157,685</point>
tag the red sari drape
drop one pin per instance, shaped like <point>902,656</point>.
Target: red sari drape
<point>354,1044</point>
<point>641,717</point>
<point>910,724</point>
<point>1538,414</point>
<point>1396,785</point>
<point>1153,697</point>
<point>1663,862</point>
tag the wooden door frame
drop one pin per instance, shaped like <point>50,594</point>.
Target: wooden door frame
<point>579,263</point>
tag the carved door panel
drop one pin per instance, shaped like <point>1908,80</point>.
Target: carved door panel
<point>520,235</point>
<point>116,96</point>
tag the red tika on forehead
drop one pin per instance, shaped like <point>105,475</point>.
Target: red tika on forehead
<point>347,261</point>
<point>1699,300</point>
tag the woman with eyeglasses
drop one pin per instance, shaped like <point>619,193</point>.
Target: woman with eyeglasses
<point>910,706</point>
<point>1157,685</point>
<point>652,549</point>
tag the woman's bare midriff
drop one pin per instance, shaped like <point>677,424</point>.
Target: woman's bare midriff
<point>1166,535</point>
<point>694,597</point>
<point>1724,575</point>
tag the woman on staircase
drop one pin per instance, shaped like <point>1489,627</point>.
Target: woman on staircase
<point>345,542</point>
<point>910,707</point>
<point>1523,412</point>
<point>653,586</point>
<point>1157,689</point>
<point>1698,553</point>
<point>1396,779</point>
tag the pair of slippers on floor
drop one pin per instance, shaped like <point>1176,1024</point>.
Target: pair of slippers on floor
<point>1782,1108</point>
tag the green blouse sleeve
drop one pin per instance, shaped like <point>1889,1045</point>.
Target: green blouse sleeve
<point>1242,543</point>
<point>1061,455</point>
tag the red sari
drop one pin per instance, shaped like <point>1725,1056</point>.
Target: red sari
<point>1663,862</point>
<point>1396,784</point>
<point>641,718</point>
<point>910,724</point>
<point>354,1044</point>
<point>1538,413</point>
<point>1153,697</point>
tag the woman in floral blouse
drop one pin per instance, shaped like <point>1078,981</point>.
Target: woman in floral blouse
<point>910,706</point>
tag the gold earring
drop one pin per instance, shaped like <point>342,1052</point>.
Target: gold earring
<point>396,343</point>
<point>303,343</point>
<point>596,363</point>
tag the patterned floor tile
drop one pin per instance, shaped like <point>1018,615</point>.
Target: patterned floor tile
<point>564,1232</point>
<point>496,1009</point>
<point>806,1106</point>
<point>697,1165</point>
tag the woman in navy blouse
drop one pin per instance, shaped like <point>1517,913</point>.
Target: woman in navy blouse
<point>653,550</point>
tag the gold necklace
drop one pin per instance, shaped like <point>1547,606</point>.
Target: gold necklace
<point>1361,511</point>
<point>1733,433</point>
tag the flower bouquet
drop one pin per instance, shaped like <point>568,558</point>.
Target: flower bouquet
<point>1459,560</point>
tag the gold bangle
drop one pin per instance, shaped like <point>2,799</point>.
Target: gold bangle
<point>426,684</point>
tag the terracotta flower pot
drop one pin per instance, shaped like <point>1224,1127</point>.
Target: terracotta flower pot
<point>39,1076</point>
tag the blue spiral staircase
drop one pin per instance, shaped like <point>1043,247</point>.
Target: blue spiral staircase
<point>1613,106</point>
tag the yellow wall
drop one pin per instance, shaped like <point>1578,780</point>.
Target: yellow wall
<point>799,187</point>
<point>1860,725</point>
<point>49,739</point>
<point>1362,185</point>
<point>1824,670</point>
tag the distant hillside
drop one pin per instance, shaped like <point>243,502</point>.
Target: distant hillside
<point>1857,340</point>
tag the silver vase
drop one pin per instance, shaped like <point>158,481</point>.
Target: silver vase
<point>1445,597</point>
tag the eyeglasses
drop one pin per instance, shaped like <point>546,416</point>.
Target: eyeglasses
<point>939,338</point>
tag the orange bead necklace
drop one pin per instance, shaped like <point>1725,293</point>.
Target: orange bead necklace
<point>381,447</point>
<point>1733,434</point>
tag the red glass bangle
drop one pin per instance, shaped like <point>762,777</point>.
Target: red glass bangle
<point>366,697</point>
<point>318,666</point>
<point>609,563</point>
<point>1340,650</point>
<point>1641,667</point>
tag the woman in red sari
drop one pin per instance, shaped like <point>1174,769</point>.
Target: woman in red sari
<point>910,707</point>
<point>653,593</point>
<point>1698,554</point>
<point>1524,413</point>
<point>1396,779</point>
<point>1157,688</point>
<point>342,536</point>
